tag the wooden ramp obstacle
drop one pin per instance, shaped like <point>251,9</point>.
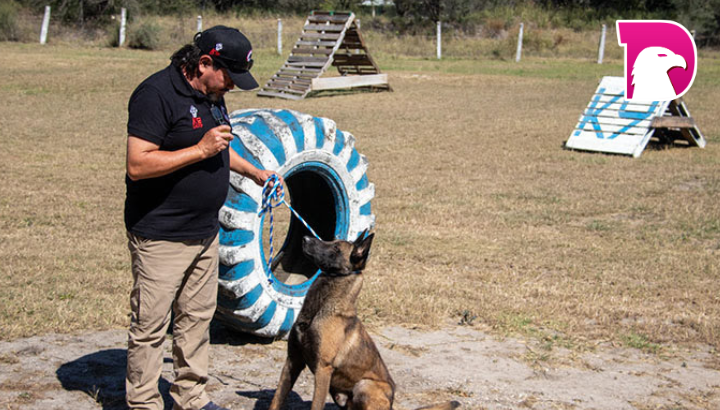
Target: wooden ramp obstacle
<point>328,38</point>
<point>612,124</point>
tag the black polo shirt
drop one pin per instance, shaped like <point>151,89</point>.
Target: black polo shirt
<point>183,205</point>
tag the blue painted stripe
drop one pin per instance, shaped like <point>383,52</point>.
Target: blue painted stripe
<point>353,161</point>
<point>235,237</point>
<point>242,302</point>
<point>339,142</point>
<point>298,290</point>
<point>239,271</point>
<point>633,115</point>
<point>240,201</point>
<point>242,115</point>
<point>362,183</point>
<point>266,135</point>
<point>288,322</point>
<point>319,132</point>
<point>297,131</point>
<point>244,153</point>
<point>265,319</point>
<point>592,117</point>
<point>365,209</point>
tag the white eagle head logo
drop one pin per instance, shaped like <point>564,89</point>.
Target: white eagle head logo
<point>650,74</point>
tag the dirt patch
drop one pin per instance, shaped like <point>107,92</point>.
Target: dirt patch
<point>87,371</point>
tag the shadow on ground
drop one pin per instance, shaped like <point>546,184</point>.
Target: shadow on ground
<point>101,375</point>
<point>223,335</point>
<point>293,402</point>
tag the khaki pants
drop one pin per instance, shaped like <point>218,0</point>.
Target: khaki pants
<point>181,276</point>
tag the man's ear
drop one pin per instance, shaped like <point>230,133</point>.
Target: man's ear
<point>204,64</point>
<point>361,251</point>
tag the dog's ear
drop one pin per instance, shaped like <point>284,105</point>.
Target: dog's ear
<point>361,236</point>
<point>361,250</point>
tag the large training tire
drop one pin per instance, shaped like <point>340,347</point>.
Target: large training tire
<point>326,179</point>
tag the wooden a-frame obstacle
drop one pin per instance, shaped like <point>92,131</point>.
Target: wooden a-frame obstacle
<point>612,124</point>
<point>328,38</point>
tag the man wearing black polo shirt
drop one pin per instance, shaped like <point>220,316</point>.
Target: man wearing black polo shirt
<point>178,165</point>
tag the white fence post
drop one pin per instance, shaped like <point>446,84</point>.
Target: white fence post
<point>45,25</point>
<point>123,26</point>
<point>439,40</point>
<point>518,54</point>
<point>279,36</point>
<point>199,24</point>
<point>601,50</point>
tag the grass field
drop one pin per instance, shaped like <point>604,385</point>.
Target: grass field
<point>482,217</point>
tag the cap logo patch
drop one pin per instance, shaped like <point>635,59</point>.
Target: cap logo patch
<point>216,51</point>
<point>249,56</point>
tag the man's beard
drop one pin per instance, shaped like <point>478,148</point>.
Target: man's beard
<point>216,95</point>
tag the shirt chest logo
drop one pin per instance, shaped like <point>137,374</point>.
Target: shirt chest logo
<point>196,121</point>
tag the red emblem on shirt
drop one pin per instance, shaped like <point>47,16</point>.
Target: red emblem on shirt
<point>197,123</point>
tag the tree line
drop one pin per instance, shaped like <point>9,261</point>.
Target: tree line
<point>413,16</point>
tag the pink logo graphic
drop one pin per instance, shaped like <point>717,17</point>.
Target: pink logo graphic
<point>660,59</point>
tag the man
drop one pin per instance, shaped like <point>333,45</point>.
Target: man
<point>178,165</point>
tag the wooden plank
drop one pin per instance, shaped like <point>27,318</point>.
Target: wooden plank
<point>315,43</point>
<point>624,106</point>
<point>319,36</point>
<point>288,67</point>
<point>351,60</point>
<point>620,144</point>
<point>673,122</point>
<point>615,121</point>
<point>312,51</point>
<point>609,129</point>
<point>290,83</point>
<point>336,18</point>
<point>280,95</point>
<point>296,79</point>
<point>332,83</point>
<point>324,27</point>
<point>619,114</point>
<point>611,86</point>
<point>604,98</point>
<point>309,65</point>
<point>289,90</point>
<point>299,76</point>
<point>306,59</point>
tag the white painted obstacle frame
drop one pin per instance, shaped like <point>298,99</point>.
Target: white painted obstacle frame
<point>612,124</point>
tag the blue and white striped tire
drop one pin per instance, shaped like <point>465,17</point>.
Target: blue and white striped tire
<point>327,180</point>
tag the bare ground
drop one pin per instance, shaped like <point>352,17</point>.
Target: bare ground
<point>86,371</point>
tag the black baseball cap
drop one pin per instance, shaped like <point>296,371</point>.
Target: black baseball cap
<point>232,50</point>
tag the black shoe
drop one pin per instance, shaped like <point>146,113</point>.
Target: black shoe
<point>212,406</point>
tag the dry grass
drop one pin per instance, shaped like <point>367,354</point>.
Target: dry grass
<point>480,212</point>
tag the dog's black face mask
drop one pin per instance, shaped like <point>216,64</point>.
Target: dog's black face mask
<point>339,257</point>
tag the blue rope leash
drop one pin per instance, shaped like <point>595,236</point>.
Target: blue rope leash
<point>272,197</point>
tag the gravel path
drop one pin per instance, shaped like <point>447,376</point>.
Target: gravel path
<point>87,371</point>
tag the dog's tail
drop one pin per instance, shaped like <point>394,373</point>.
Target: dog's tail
<point>449,405</point>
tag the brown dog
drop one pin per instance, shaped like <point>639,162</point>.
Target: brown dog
<point>329,338</point>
